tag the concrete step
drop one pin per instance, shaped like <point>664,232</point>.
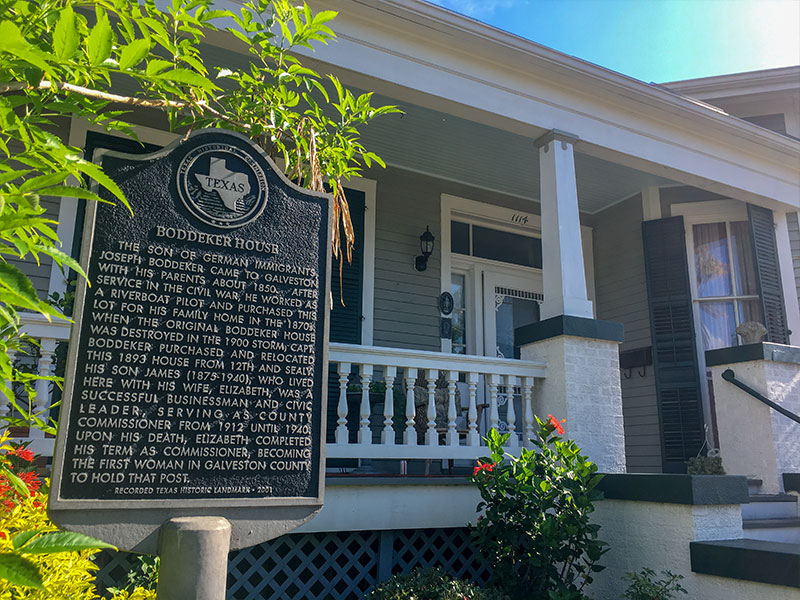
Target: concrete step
<point>786,530</point>
<point>770,506</point>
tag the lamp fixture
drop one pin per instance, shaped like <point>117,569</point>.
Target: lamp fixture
<point>426,242</point>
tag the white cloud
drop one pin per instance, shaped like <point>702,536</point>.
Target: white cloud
<point>478,8</point>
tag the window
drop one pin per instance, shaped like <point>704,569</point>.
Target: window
<point>494,244</point>
<point>727,290</point>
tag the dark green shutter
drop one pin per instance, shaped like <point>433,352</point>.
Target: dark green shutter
<point>345,325</point>
<point>768,273</point>
<point>346,319</point>
<point>674,350</point>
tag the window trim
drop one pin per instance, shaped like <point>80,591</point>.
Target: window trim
<point>698,213</point>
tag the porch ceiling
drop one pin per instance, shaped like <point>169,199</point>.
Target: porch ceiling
<point>442,145</point>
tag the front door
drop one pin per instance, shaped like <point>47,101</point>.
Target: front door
<point>510,301</point>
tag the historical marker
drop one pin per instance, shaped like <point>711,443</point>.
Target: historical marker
<point>196,375</point>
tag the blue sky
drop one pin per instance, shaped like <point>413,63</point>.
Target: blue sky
<point>654,40</point>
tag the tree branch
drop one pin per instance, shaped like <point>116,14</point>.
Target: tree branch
<point>17,86</point>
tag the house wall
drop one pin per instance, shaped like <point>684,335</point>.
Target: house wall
<point>622,297</point>
<point>406,301</point>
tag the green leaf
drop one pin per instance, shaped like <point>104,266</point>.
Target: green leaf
<point>188,77</point>
<point>23,538</point>
<point>64,541</point>
<point>133,53</point>
<point>96,173</point>
<point>11,41</point>
<point>15,481</point>
<point>65,36</point>
<point>20,571</point>
<point>61,257</point>
<point>71,192</point>
<point>100,41</point>
<point>16,289</point>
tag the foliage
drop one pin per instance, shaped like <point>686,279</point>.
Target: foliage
<point>36,559</point>
<point>59,58</point>
<point>643,586</point>
<point>535,530</point>
<point>143,576</point>
<point>430,584</point>
<point>705,465</point>
<point>137,594</point>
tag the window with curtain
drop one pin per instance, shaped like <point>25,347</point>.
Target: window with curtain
<point>727,289</point>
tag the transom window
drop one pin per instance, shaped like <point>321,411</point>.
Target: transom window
<point>725,278</point>
<point>494,244</point>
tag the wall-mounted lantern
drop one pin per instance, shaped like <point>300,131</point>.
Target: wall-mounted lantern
<point>426,241</point>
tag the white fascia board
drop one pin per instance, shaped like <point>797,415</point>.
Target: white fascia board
<point>740,84</point>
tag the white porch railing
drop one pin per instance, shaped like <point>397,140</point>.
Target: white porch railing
<point>48,334</point>
<point>399,437</point>
<point>484,381</point>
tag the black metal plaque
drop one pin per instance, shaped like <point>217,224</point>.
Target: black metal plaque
<point>198,364</point>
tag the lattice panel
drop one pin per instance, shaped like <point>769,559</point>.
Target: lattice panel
<point>113,568</point>
<point>448,549</point>
<point>337,565</point>
<point>329,566</point>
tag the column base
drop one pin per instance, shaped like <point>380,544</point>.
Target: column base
<point>582,383</point>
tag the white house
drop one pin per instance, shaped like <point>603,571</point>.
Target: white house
<point>598,236</point>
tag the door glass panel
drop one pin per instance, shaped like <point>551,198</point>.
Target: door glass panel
<point>712,264</point>
<point>718,324</point>
<point>510,313</point>
<point>459,316</point>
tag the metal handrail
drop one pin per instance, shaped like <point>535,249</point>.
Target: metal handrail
<point>729,376</point>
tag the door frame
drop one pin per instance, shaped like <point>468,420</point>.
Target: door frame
<point>527,282</point>
<point>503,219</point>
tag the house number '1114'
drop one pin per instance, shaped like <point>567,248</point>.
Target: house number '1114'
<point>521,219</point>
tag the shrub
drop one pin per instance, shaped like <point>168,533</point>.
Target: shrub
<point>705,465</point>
<point>430,584</point>
<point>535,531</point>
<point>64,574</point>
<point>143,576</point>
<point>643,587</point>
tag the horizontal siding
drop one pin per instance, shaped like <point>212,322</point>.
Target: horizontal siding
<point>622,297</point>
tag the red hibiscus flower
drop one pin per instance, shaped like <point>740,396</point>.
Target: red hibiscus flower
<point>555,424</point>
<point>483,467</point>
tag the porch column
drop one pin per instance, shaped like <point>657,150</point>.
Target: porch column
<point>563,273</point>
